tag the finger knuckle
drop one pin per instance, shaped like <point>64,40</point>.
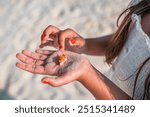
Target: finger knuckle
<point>68,29</point>
<point>50,26</point>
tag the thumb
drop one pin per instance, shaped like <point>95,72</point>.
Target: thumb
<point>77,41</point>
<point>48,43</point>
<point>56,82</point>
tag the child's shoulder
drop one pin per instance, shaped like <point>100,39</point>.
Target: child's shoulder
<point>146,23</point>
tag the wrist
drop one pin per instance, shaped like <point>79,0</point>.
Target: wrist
<point>87,71</point>
<point>84,47</point>
<point>94,83</point>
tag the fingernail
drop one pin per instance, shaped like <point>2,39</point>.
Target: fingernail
<point>73,41</point>
<point>44,35</point>
<point>60,47</point>
<point>45,82</point>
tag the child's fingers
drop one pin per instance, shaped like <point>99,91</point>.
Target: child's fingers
<point>63,35</point>
<point>49,31</point>
<point>45,52</point>
<point>29,60</point>
<point>56,82</point>
<point>48,43</point>
<point>31,68</point>
<point>36,56</point>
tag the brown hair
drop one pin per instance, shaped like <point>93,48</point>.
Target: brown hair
<point>120,37</point>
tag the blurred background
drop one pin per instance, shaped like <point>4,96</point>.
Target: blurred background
<point>21,25</point>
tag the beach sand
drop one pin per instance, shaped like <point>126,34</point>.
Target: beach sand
<point>21,24</point>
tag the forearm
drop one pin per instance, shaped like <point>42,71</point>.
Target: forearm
<point>97,46</point>
<point>102,88</point>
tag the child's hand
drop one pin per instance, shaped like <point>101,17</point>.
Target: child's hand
<point>46,62</point>
<point>66,39</point>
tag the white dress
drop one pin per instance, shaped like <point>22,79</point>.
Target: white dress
<point>133,54</point>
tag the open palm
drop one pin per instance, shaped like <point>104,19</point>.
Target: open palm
<point>46,62</point>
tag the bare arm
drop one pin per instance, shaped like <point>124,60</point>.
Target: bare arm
<point>97,46</point>
<point>69,39</point>
<point>102,88</point>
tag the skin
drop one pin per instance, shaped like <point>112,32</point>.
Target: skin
<point>46,62</point>
<point>62,39</point>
